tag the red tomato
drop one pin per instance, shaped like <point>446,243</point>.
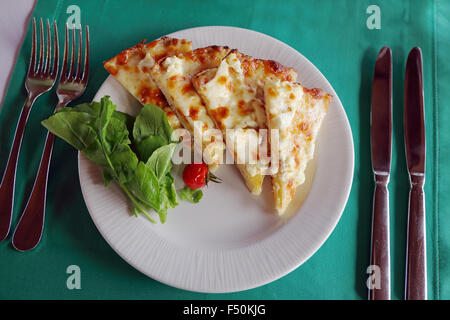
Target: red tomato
<point>196,175</point>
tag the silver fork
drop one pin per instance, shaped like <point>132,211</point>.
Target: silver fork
<point>71,86</point>
<point>40,78</point>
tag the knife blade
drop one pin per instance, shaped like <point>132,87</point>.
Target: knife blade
<point>381,136</point>
<point>415,148</point>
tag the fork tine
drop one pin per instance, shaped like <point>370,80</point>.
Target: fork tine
<point>41,48</point>
<point>86,58</point>
<point>32,65</point>
<point>49,50</point>
<point>80,45</point>
<point>66,49</point>
<point>55,52</point>
<point>72,57</point>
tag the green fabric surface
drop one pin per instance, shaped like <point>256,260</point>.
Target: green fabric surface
<point>333,35</point>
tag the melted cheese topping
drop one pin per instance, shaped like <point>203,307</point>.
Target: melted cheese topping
<point>132,69</point>
<point>257,71</point>
<point>296,113</point>
<point>232,103</point>
<point>173,76</point>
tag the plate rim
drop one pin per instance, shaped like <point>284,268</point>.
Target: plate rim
<point>298,262</point>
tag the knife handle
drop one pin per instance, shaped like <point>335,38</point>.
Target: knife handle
<point>416,268</point>
<point>380,289</point>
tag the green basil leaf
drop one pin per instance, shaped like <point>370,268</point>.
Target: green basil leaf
<point>102,122</point>
<point>107,177</point>
<point>167,185</point>
<point>151,130</point>
<point>190,195</point>
<point>161,160</point>
<point>124,162</point>
<point>144,186</point>
<point>152,121</point>
<point>73,127</point>
<point>148,145</point>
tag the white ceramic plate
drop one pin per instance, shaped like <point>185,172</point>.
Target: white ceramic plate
<point>231,240</point>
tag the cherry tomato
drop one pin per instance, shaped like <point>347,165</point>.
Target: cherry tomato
<point>195,174</point>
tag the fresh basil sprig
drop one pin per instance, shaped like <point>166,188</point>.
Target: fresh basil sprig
<point>102,134</point>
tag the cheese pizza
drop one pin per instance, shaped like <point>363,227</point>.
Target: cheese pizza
<point>132,69</point>
<point>296,113</point>
<point>173,76</point>
<point>233,94</point>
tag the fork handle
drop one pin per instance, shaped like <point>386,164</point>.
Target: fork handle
<point>9,177</point>
<point>380,253</point>
<point>29,229</point>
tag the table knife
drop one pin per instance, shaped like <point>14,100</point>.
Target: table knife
<point>381,136</point>
<point>414,126</point>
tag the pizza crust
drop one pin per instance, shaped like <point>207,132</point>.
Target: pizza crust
<point>132,67</point>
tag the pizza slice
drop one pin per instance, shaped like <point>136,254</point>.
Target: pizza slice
<point>234,95</point>
<point>295,114</point>
<point>132,69</point>
<point>173,76</point>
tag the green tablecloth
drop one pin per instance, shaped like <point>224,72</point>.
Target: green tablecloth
<point>331,34</point>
